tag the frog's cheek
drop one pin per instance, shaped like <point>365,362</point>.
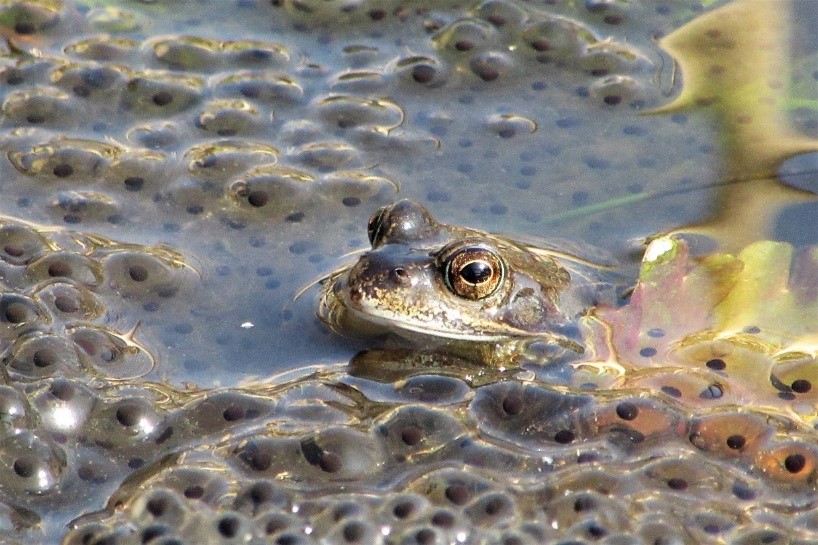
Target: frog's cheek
<point>331,307</point>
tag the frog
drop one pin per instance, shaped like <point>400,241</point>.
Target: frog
<point>486,298</point>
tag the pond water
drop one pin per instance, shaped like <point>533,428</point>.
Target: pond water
<point>175,172</point>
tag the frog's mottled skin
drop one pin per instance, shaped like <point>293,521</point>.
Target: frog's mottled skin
<point>400,287</point>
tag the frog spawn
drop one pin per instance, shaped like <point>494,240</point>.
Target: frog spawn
<point>63,297</point>
<point>492,470</point>
<point>249,88</point>
<point>714,357</point>
<point>242,105</point>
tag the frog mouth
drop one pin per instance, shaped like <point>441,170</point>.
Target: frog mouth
<point>341,313</point>
<point>344,314</point>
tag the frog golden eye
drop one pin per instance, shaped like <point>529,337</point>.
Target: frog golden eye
<point>375,226</point>
<point>473,273</point>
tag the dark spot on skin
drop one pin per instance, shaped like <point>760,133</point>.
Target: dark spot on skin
<point>677,483</point>
<point>494,506</point>
<point>228,527</point>
<point>153,532</point>
<point>496,19</point>
<point>14,77</point>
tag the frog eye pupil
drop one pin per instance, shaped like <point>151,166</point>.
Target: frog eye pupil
<point>476,272</point>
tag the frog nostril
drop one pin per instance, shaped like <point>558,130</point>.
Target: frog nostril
<point>401,276</point>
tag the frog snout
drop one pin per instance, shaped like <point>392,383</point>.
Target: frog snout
<point>377,272</point>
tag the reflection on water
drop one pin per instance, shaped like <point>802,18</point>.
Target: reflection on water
<point>173,172</point>
<point>735,62</point>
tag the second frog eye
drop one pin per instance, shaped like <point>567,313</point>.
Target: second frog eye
<point>374,227</point>
<point>473,272</point>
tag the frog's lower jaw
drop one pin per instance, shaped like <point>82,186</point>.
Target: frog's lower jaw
<point>495,352</point>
